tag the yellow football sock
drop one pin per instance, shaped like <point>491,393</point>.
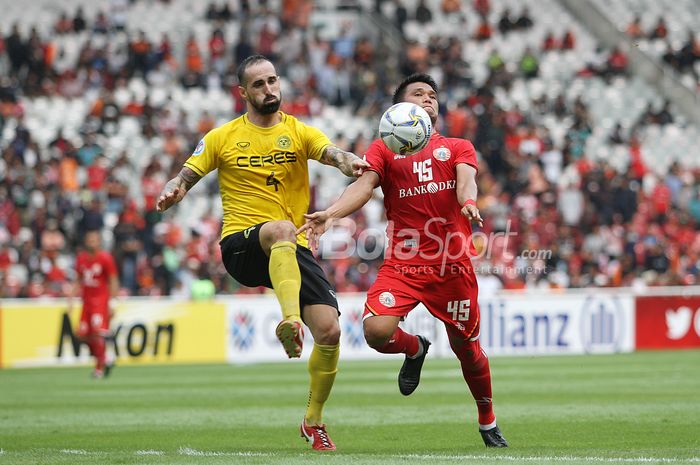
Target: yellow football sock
<point>323,365</point>
<point>286,278</point>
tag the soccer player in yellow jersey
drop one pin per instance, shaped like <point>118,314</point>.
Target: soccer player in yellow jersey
<point>264,182</point>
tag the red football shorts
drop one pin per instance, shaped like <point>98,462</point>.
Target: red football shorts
<point>94,320</point>
<point>449,293</point>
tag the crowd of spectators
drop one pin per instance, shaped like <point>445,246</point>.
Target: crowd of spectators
<point>686,58</point>
<point>683,56</point>
<point>577,222</point>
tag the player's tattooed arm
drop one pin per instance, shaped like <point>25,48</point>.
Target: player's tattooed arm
<point>350,164</point>
<point>354,197</point>
<point>176,188</point>
<point>189,177</point>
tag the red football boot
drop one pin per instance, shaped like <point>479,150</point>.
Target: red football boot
<point>316,436</point>
<point>291,335</point>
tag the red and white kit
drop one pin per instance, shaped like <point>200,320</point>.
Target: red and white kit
<point>427,259</point>
<point>95,272</point>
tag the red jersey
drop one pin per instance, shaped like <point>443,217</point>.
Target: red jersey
<point>420,198</point>
<point>95,272</point>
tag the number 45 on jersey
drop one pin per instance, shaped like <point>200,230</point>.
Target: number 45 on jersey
<point>424,170</point>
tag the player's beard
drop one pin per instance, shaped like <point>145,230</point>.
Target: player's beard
<point>268,108</point>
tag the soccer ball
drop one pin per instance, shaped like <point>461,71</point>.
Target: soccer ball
<point>405,128</point>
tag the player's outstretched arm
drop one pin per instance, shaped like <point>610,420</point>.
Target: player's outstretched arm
<point>467,191</point>
<point>354,197</point>
<point>350,164</point>
<point>176,188</point>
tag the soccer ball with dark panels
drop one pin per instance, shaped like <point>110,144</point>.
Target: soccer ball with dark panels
<point>405,128</point>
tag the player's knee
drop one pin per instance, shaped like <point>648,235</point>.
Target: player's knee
<point>375,343</point>
<point>474,358</point>
<point>377,336</point>
<point>328,334</point>
<point>282,231</point>
<point>470,353</point>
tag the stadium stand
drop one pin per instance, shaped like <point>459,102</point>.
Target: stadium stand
<point>101,102</point>
<point>666,30</point>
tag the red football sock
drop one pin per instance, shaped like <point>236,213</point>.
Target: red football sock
<point>97,347</point>
<point>478,378</point>
<point>477,374</point>
<point>401,343</point>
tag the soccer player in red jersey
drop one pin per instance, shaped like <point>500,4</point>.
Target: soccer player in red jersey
<point>98,278</point>
<point>430,201</point>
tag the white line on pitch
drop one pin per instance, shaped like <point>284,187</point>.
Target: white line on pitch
<point>75,451</point>
<point>150,452</point>
<point>564,458</point>
<point>188,451</point>
<point>210,453</point>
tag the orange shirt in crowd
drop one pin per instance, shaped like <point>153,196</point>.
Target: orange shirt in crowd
<point>68,169</point>
<point>194,57</point>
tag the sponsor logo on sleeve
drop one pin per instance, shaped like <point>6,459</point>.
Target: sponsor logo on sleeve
<point>199,149</point>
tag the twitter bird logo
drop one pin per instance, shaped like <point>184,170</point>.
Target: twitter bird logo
<point>678,322</point>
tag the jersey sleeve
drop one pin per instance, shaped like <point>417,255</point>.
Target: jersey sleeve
<point>465,153</point>
<point>205,157</point>
<point>376,159</point>
<point>315,142</point>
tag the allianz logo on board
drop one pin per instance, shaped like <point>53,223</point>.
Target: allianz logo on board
<point>594,324</point>
<point>504,326</point>
<point>602,324</point>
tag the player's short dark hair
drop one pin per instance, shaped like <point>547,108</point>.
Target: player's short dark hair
<point>250,61</point>
<point>416,77</point>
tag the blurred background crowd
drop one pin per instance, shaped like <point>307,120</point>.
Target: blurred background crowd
<point>101,102</point>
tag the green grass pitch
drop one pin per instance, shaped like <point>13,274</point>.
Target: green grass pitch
<point>631,408</point>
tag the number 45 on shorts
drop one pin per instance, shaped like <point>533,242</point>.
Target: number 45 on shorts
<point>459,309</point>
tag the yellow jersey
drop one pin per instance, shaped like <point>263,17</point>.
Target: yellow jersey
<point>263,172</point>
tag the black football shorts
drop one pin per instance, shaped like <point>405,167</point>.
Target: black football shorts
<point>246,261</point>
